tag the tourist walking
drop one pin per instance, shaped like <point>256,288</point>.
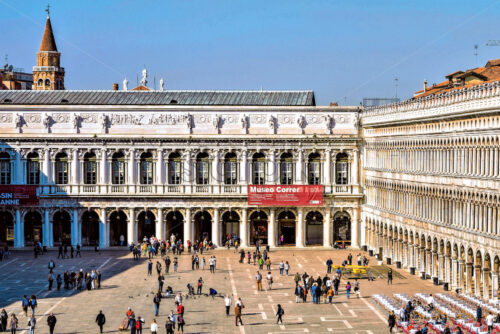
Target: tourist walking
<point>279,314</point>
<point>13,323</point>
<point>4,318</point>
<point>287,267</point>
<point>258,279</point>
<point>282,267</point>
<point>348,290</point>
<point>269,280</point>
<point>150,268</point>
<point>180,324</point>
<point>100,320</point>
<point>391,321</point>
<point>227,303</point>
<point>51,322</point>
<point>154,327</point>
<point>200,286</point>
<point>33,304</point>
<point>237,312</point>
<point>156,301</point>
<point>32,323</point>
<point>389,277</point>
<point>169,326</point>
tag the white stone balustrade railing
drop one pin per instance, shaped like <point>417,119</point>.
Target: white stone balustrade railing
<point>480,96</point>
<point>164,189</point>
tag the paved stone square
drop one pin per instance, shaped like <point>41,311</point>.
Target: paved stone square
<point>125,284</point>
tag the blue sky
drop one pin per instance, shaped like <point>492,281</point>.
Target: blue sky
<point>343,50</point>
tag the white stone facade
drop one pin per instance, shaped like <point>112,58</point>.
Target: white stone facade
<point>431,176</point>
<point>136,170</point>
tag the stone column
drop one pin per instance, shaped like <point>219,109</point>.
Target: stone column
<point>131,228</point>
<point>75,228</point>
<point>454,274</point>
<point>327,168</point>
<point>215,168</point>
<point>272,228</point>
<point>18,233</point>
<point>187,171</point>
<point>159,231</point>
<point>486,284</point>
<point>477,281</point>
<point>75,168</point>
<point>46,228</point>
<point>131,170</point>
<point>354,169</point>
<point>271,172</point>
<point>355,228</point>
<point>422,259</point>
<point>404,254</point>
<point>299,237</point>
<point>18,169</point>
<point>299,166</point>
<point>435,266</point>
<point>47,170</point>
<point>104,167</point>
<point>159,167</point>
<point>494,285</point>
<point>103,229</point>
<point>243,168</point>
<point>187,226</point>
<point>243,229</point>
<point>468,277</point>
<point>327,228</point>
<point>215,228</point>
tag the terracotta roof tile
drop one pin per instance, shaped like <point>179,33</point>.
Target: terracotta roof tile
<point>48,41</point>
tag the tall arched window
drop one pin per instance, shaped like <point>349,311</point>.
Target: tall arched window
<point>202,168</point>
<point>47,83</point>
<point>61,170</point>
<point>342,169</point>
<point>33,168</point>
<point>146,168</point>
<point>230,168</point>
<point>174,168</point>
<point>314,169</point>
<point>258,168</point>
<point>286,168</point>
<point>89,168</point>
<point>5,168</point>
<point>40,83</point>
<point>118,166</point>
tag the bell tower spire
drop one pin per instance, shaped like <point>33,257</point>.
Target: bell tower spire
<point>48,74</point>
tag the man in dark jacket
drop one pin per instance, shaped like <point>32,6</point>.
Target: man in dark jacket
<point>51,322</point>
<point>391,321</point>
<point>100,320</point>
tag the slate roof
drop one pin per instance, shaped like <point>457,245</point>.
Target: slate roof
<point>110,97</point>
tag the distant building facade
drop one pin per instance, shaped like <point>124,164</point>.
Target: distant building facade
<point>12,78</point>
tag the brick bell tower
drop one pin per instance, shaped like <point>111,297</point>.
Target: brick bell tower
<point>47,74</point>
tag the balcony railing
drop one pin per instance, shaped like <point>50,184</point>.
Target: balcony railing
<point>166,189</point>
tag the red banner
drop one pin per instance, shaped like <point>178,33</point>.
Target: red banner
<point>11,195</point>
<point>285,195</point>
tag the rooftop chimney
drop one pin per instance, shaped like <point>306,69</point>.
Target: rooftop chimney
<point>425,85</point>
<point>115,86</point>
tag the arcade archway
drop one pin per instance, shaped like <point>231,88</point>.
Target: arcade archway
<point>314,228</point>
<point>32,228</point>
<point>6,229</point>
<point>61,227</point>
<point>175,225</point>
<point>342,228</point>
<point>230,225</point>
<point>90,228</point>
<point>286,228</point>
<point>258,227</point>
<point>202,226</point>
<point>118,228</point>
<point>145,225</point>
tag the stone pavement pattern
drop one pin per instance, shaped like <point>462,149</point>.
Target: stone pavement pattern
<point>125,284</point>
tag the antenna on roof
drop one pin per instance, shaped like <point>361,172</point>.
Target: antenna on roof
<point>396,82</point>
<point>137,80</point>
<point>154,81</point>
<point>261,89</point>
<point>475,51</point>
<point>6,60</point>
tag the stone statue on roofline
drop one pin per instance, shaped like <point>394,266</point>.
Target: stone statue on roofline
<point>162,83</point>
<point>125,84</point>
<point>144,80</point>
